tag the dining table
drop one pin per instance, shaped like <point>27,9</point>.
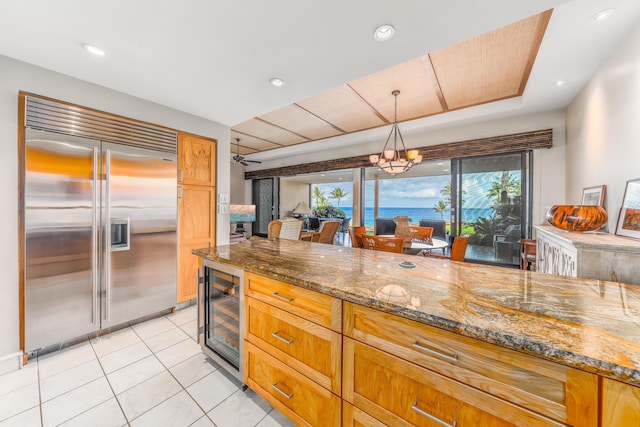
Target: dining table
<point>419,246</point>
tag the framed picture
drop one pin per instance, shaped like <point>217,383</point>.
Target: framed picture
<point>629,219</point>
<point>594,196</point>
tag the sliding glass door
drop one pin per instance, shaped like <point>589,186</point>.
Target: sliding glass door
<point>491,203</point>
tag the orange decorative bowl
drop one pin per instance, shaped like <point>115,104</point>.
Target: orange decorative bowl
<point>577,218</point>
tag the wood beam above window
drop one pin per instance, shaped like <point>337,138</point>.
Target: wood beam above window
<point>532,140</point>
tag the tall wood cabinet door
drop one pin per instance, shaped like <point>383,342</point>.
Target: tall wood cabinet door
<point>196,229</point>
<point>620,404</point>
<point>196,160</point>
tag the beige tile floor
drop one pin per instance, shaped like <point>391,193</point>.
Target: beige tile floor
<point>149,374</point>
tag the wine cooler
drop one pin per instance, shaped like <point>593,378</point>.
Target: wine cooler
<point>221,308</point>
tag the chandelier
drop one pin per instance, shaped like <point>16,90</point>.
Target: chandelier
<point>399,159</point>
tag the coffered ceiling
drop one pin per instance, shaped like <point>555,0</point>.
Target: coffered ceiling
<point>487,68</point>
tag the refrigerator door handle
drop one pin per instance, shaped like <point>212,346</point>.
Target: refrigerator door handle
<point>95,238</point>
<point>107,237</point>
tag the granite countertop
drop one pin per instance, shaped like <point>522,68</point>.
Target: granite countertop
<point>586,324</point>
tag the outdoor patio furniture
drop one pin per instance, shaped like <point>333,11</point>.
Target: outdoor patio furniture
<point>327,232</point>
<point>506,244</point>
<point>383,243</point>
<point>314,223</point>
<point>344,227</point>
<point>385,226</point>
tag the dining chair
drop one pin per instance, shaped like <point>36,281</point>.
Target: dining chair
<point>458,249</point>
<point>383,243</point>
<point>527,253</point>
<point>273,229</point>
<point>356,235</point>
<point>284,229</point>
<point>422,234</point>
<point>327,232</point>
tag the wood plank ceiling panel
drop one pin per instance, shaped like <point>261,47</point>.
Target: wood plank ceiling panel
<point>268,132</point>
<point>490,67</point>
<point>343,109</point>
<point>418,96</point>
<point>250,144</point>
<point>300,121</point>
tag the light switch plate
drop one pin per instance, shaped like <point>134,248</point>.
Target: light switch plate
<point>223,198</point>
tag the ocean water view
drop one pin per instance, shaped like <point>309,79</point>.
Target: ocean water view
<point>416,214</point>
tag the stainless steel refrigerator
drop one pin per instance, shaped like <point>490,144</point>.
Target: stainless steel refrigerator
<point>100,236</point>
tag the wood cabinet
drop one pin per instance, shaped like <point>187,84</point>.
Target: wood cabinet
<point>196,207</point>
<point>552,390</point>
<point>196,160</point>
<point>620,404</point>
<point>314,306</point>
<point>292,352</point>
<point>323,361</point>
<point>398,392</point>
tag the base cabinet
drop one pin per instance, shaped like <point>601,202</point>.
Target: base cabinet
<point>300,399</point>
<point>398,392</point>
<point>326,362</point>
<point>620,404</point>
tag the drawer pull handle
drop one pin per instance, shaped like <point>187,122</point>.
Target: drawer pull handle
<point>277,295</point>
<point>276,335</point>
<point>453,358</point>
<point>431,417</point>
<point>276,388</point>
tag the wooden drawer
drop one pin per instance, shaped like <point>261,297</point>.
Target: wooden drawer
<point>309,348</point>
<point>297,397</point>
<point>620,404</point>
<point>314,306</point>
<point>398,392</point>
<point>536,384</point>
<point>354,417</point>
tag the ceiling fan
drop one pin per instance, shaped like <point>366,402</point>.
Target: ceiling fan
<point>240,159</point>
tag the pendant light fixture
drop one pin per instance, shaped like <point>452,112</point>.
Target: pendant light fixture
<point>398,159</point>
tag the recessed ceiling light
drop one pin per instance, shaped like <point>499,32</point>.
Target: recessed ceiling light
<point>277,82</point>
<point>561,83</point>
<point>603,14</point>
<point>93,49</point>
<point>384,33</point>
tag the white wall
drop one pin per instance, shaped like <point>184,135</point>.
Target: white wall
<point>292,193</point>
<point>603,129</point>
<point>18,76</point>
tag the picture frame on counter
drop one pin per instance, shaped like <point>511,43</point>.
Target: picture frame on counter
<point>629,218</point>
<point>594,196</point>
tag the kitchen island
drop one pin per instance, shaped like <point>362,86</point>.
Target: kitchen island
<point>588,329</point>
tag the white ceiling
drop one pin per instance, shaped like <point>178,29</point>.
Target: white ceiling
<point>214,59</point>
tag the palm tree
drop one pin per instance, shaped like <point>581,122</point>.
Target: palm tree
<point>441,207</point>
<point>446,192</point>
<point>318,196</point>
<point>507,186</point>
<point>338,193</point>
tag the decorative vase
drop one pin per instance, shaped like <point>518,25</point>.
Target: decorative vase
<point>577,218</point>
<point>403,229</point>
